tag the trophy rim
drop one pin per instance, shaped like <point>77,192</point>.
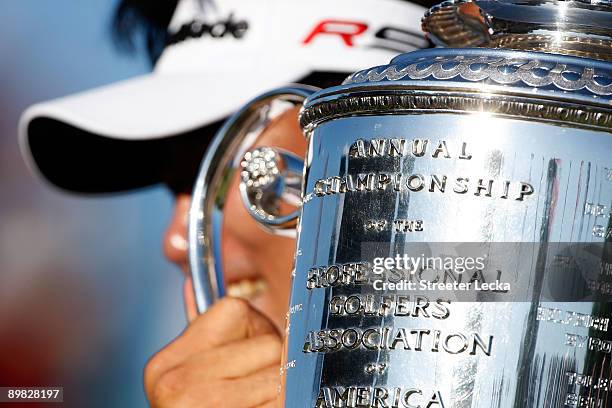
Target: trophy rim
<point>531,85</point>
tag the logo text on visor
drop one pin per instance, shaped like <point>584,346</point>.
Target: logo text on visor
<point>219,29</point>
<point>395,39</point>
<point>345,29</point>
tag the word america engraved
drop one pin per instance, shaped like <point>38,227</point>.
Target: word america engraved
<point>378,397</point>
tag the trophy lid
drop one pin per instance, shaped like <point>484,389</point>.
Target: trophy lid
<point>581,28</point>
<point>545,60</point>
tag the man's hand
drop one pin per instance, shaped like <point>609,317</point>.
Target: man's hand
<point>228,357</point>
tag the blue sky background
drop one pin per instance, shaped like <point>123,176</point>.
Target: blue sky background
<point>85,293</point>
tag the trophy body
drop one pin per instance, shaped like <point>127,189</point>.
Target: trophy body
<point>499,156</point>
<point>508,149</point>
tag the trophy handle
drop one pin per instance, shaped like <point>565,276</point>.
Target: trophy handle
<point>270,175</point>
<point>230,152</point>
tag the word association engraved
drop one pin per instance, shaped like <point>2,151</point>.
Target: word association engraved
<point>397,338</point>
<point>378,397</point>
<point>441,183</point>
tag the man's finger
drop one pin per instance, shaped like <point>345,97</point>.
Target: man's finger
<point>227,321</point>
<point>235,360</point>
<point>177,390</point>
<point>257,389</point>
<point>270,404</point>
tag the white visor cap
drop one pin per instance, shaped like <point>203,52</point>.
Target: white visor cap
<point>220,55</point>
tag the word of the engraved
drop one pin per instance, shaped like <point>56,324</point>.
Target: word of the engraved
<point>399,225</point>
<point>585,401</point>
<point>375,225</point>
<point>495,286</point>
<point>378,397</point>
<point>404,147</point>
<point>375,368</point>
<point>394,338</point>
<point>435,183</point>
<point>575,319</point>
<point>591,343</point>
<point>407,225</point>
<point>388,305</point>
<point>588,381</point>
<point>352,273</point>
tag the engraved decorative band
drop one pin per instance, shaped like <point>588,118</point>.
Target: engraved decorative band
<point>386,104</point>
<point>503,71</point>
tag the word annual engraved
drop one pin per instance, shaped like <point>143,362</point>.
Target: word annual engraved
<point>396,338</point>
<point>435,183</point>
<point>378,397</point>
<point>387,305</point>
<point>404,147</point>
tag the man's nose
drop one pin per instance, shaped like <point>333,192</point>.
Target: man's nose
<point>175,239</point>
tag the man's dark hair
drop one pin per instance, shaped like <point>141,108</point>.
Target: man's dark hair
<point>143,20</point>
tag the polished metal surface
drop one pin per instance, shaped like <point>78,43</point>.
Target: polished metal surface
<point>455,146</point>
<point>498,353</point>
<point>579,28</point>
<point>220,163</point>
<point>503,152</point>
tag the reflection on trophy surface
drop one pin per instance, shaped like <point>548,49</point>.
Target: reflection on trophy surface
<point>453,230</point>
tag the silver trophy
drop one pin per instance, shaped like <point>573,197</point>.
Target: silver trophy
<point>498,149</point>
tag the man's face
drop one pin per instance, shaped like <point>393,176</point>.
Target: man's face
<point>257,265</point>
